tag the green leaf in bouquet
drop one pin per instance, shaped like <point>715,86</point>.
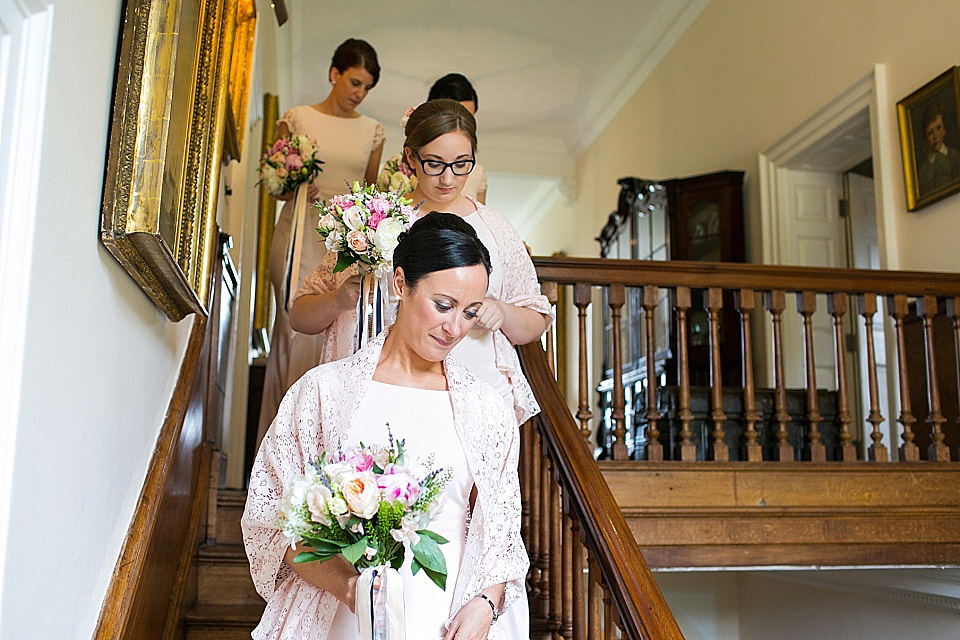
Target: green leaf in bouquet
<point>355,551</point>
<point>429,555</point>
<point>312,556</point>
<point>415,566</point>
<point>322,545</point>
<point>344,260</point>
<point>439,577</point>
<point>436,537</point>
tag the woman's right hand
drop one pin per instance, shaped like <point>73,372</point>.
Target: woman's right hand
<point>348,293</point>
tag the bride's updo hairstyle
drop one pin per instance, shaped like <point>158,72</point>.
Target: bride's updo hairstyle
<point>435,118</point>
<point>436,242</point>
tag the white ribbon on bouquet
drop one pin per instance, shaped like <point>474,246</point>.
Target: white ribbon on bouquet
<point>294,249</point>
<point>379,604</point>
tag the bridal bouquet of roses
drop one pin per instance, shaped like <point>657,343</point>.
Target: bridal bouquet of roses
<point>291,161</point>
<point>364,226</point>
<point>365,504</point>
<point>396,176</point>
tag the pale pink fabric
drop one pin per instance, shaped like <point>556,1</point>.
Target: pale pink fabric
<point>520,288</point>
<point>315,416</point>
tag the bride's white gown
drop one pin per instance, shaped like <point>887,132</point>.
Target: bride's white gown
<point>424,420</point>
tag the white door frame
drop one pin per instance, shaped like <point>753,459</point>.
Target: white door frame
<point>870,93</point>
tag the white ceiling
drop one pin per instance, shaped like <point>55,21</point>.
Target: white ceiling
<point>550,75</point>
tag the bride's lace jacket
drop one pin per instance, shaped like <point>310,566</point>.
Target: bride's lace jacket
<point>315,416</point>
<point>520,288</point>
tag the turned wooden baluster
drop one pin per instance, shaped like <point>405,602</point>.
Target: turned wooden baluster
<point>654,448</point>
<point>543,559</point>
<point>953,311</point>
<point>549,290</point>
<point>609,616</point>
<point>938,451</point>
<point>594,598</point>
<point>775,302</point>
<point>619,448</point>
<point>814,451</point>
<point>713,301</point>
<point>579,614</point>
<point>536,522</point>
<point>566,618</point>
<point>837,306</point>
<point>686,450</point>
<point>897,308</point>
<point>745,301</point>
<point>581,299</point>
<point>556,554</point>
<point>867,306</point>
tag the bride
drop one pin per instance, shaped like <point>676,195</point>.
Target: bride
<point>407,379</point>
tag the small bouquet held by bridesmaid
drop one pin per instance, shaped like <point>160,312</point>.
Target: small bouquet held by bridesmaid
<point>364,226</point>
<point>396,177</point>
<point>365,504</point>
<point>290,162</point>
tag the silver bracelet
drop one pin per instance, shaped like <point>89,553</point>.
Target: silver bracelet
<point>493,607</point>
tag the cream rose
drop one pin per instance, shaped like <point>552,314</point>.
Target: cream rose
<point>317,496</point>
<point>353,218</point>
<point>357,241</point>
<point>388,233</point>
<point>361,493</point>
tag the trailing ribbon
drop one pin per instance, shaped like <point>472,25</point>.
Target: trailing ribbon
<point>291,267</point>
<point>379,604</point>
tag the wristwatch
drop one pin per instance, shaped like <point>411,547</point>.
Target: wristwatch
<point>493,607</point>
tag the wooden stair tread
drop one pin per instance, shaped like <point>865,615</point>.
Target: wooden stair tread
<point>222,552</point>
<point>225,614</point>
<point>231,497</point>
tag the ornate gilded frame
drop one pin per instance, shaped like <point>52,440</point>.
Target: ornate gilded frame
<point>942,91</point>
<point>166,143</point>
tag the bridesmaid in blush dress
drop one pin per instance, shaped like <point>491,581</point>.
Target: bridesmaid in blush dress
<point>350,144</point>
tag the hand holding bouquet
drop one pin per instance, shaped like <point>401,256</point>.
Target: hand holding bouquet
<point>365,505</point>
<point>291,161</point>
<point>396,177</point>
<point>364,226</point>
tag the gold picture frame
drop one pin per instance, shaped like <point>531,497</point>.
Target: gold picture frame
<point>928,117</point>
<point>238,95</point>
<point>166,143</point>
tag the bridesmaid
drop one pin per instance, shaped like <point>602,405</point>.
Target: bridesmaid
<point>350,145</point>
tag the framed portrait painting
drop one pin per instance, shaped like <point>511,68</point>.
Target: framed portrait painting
<point>930,140</point>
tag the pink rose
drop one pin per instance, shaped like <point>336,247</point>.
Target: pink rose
<point>281,172</point>
<point>399,487</point>
<point>294,162</point>
<point>278,158</point>
<point>343,202</point>
<point>379,205</point>
<point>361,493</point>
<point>357,241</point>
<point>375,219</point>
<point>358,459</point>
<point>278,146</point>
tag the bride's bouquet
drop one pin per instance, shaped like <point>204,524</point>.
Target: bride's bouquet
<point>364,226</point>
<point>365,504</point>
<point>396,176</point>
<point>290,162</point>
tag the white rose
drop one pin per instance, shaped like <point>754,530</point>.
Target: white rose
<point>388,232</point>
<point>400,183</point>
<point>336,471</point>
<point>317,496</point>
<point>361,493</point>
<point>353,218</point>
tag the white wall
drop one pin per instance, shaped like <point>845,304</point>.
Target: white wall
<point>100,361</point>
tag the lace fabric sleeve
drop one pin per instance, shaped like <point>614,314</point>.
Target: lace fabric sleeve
<point>289,118</point>
<point>295,431</point>
<point>322,280</point>
<point>378,136</point>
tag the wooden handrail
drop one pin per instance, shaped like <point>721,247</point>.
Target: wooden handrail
<point>642,611</point>
<point>730,275</point>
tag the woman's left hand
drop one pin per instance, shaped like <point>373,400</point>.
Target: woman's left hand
<point>490,315</point>
<point>472,622</point>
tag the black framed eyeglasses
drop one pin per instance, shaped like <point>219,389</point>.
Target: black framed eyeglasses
<point>437,167</point>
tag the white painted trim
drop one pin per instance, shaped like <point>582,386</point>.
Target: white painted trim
<point>637,63</point>
<point>864,589</point>
<point>886,167</point>
<point>25,40</point>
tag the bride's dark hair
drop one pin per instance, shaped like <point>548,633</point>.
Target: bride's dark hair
<point>436,242</point>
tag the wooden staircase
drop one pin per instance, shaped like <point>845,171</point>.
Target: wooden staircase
<point>228,606</point>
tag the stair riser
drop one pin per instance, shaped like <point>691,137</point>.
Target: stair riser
<point>201,633</point>
<point>226,583</point>
<point>228,525</point>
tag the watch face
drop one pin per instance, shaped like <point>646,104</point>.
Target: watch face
<point>704,229</point>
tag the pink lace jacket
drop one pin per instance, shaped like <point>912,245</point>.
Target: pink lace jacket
<point>520,288</point>
<point>315,416</point>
